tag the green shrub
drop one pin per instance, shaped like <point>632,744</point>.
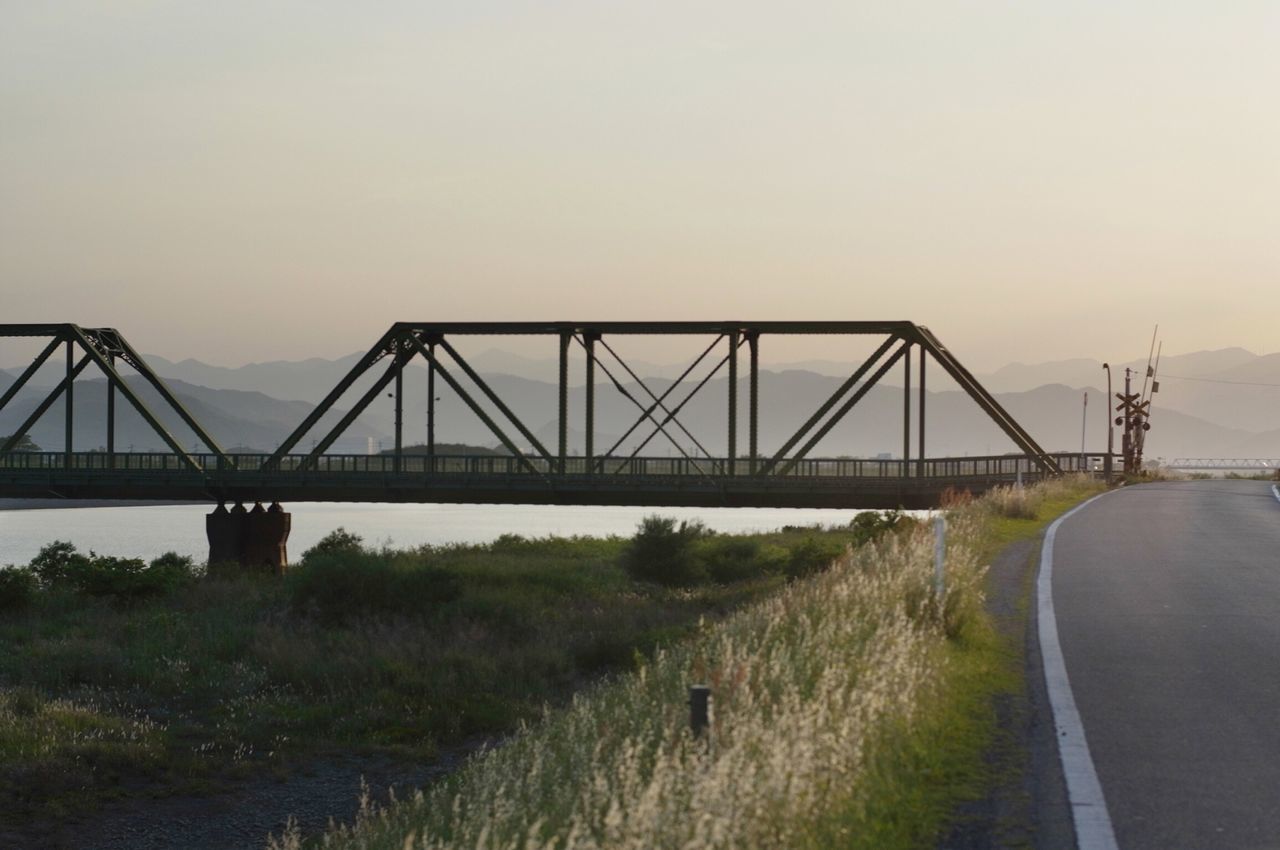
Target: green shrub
<point>338,585</point>
<point>663,552</point>
<point>812,555</point>
<point>171,571</point>
<point>56,563</point>
<point>58,566</point>
<point>339,541</point>
<point>869,525</point>
<point>729,559</point>
<point>17,587</point>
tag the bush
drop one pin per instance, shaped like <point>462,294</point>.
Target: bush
<point>336,586</point>
<point>17,587</point>
<point>56,563</point>
<point>663,552</point>
<point>729,559</point>
<point>336,542</point>
<point>870,525</point>
<point>58,566</point>
<point>172,570</point>
<point>812,555</point>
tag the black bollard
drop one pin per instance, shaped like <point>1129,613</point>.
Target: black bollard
<point>699,709</point>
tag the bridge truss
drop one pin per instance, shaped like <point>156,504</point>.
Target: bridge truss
<point>100,347</point>
<point>536,472</point>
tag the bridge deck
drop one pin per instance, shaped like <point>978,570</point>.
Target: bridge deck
<point>837,483</point>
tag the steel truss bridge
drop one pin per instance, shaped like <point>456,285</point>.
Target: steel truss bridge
<point>1244,464</point>
<point>533,473</point>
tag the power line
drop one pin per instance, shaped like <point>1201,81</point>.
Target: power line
<point>1217,381</point>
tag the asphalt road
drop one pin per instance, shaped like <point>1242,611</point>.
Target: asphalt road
<point>1168,607</point>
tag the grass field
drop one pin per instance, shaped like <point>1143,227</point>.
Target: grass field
<point>160,679</point>
<point>851,708</point>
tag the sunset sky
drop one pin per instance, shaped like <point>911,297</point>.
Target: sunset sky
<point>1033,180</point>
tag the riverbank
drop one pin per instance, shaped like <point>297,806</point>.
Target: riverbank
<point>50,504</point>
<point>122,681</point>
<point>856,708</point>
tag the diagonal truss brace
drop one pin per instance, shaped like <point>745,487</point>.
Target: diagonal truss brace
<point>672,414</point>
<point>27,375</point>
<point>822,411</point>
<point>111,342</point>
<point>381,349</point>
<point>350,416</point>
<point>425,351</point>
<point>493,397</point>
<point>647,413</point>
<point>94,342</point>
<point>44,406</point>
<point>930,343</point>
<point>847,406</point>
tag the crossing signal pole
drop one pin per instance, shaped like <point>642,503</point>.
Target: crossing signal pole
<point>1134,414</point>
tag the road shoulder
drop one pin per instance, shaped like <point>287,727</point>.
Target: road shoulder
<point>1026,804</point>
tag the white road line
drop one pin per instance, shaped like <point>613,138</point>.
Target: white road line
<point>1088,807</point>
<point>1275,491</point>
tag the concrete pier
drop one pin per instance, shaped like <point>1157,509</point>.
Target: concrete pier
<point>249,538</point>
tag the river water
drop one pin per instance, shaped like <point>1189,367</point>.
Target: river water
<point>145,532</point>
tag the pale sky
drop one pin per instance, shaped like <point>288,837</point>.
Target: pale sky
<point>239,181</point>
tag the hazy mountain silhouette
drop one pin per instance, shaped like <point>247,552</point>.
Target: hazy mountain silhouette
<point>244,406</point>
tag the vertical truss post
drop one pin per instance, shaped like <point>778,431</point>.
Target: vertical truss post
<point>589,343</point>
<point>140,366</point>
<point>111,414</point>
<point>565,338</point>
<point>733,400</point>
<point>399,461</point>
<point>420,347</point>
<point>906,411</point>
<point>43,406</point>
<point>753,399</point>
<point>71,364</point>
<point>431,407</point>
<point>920,451</point>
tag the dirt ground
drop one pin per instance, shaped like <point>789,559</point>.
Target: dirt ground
<point>242,817</point>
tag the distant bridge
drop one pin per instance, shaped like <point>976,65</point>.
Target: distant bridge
<point>533,472</point>
<point>1246,464</point>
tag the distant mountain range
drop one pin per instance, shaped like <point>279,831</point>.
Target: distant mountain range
<point>1210,404</point>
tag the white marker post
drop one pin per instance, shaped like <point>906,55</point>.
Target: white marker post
<point>939,554</point>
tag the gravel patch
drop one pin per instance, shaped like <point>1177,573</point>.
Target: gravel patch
<point>246,815</point>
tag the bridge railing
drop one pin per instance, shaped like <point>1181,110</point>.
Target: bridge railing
<point>293,466</point>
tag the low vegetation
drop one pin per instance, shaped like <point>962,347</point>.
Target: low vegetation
<point>851,708</point>
<point>164,679</point>
<point>851,703</point>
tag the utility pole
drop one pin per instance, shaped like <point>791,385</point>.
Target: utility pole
<point>1084,420</point>
<point>1111,431</point>
<point>1126,405</point>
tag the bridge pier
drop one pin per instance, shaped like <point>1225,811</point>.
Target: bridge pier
<point>249,538</point>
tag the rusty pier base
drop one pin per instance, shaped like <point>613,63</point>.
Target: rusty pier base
<point>254,539</point>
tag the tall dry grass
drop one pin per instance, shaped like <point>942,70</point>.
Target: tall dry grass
<point>812,688</point>
<point>1018,502</point>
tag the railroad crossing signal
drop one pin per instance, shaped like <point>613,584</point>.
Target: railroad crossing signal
<point>1133,410</point>
<point>1133,416</point>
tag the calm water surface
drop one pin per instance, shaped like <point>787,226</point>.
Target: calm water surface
<point>145,532</point>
